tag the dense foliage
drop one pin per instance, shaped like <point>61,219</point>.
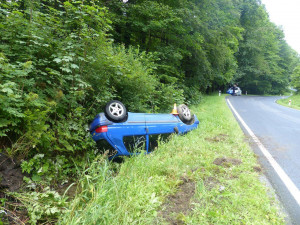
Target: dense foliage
<point>61,61</point>
<point>58,68</point>
<point>296,78</point>
<point>207,45</point>
<point>265,60</point>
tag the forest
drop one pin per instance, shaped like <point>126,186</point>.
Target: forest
<point>62,61</point>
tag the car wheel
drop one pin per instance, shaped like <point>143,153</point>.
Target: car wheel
<point>185,114</point>
<point>116,111</point>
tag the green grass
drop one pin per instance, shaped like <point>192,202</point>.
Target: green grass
<point>135,191</point>
<point>295,102</point>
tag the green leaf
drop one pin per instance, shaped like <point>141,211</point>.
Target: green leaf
<point>36,178</point>
<point>7,90</point>
<point>66,70</point>
<point>57,60</point>
<point>74,66</point>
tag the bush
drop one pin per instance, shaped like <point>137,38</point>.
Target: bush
<point>58,69</point>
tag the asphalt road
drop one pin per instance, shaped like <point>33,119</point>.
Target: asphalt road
<point>278,129</point>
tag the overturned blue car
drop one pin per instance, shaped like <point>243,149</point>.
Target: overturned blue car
<point>235,91</point>
<point>118,127</point>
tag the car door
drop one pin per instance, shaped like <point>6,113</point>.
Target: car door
<point>128,136</point>
<point>160,123</point>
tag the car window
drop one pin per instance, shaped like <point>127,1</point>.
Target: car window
<point>135,144</point>
<point>155,139</point>
<point>103,146</point>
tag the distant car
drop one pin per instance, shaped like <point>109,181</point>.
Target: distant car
<point>237,92</point>
<point>116,125</point>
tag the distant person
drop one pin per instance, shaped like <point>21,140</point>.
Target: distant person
<point>233,89</point>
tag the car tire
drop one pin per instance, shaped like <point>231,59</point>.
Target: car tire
<point>185,115</point>
<point>116,111</point>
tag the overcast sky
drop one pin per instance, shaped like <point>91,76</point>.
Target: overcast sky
<point>286,13</point>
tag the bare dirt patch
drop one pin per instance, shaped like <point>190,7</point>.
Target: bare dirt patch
<point>11,180</point>
<point>226,162</point>
<point>257,169</point>
<point>179,203</point>
<point>11,176</point>
<point>211,182</point>
<point>218,138</point>
<point>70,189</point>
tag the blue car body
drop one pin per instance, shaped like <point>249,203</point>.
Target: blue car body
<point>238,91</point>
<point>229,91</point>
<point>137,124</point>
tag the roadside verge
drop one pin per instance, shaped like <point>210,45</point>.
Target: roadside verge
<point>209,176</point>
<point>291,102</point>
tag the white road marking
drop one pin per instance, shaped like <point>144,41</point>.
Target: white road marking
<point>294,191</point>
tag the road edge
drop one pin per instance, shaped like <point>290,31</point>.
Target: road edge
<point>264,179</point>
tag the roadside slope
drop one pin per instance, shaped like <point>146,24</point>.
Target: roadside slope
<point>209,176</point>
<point>295,102</point>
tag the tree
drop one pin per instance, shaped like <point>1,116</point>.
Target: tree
<point>296,78</point>
<point>264,59</point>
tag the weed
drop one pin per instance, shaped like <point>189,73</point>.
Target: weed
<point>42,206</point>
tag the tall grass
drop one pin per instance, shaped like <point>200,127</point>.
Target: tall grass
<point>133,192</point>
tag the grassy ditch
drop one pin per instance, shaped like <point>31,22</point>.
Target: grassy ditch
<point>295,102</point>
<point>208,176</point>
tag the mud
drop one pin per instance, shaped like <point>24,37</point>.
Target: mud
<point>257,169</point>
<point>226,162</point>
<point>211,182</point>
<point>218,138</point>
<point>179,203</point>
<point>11,177</point>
